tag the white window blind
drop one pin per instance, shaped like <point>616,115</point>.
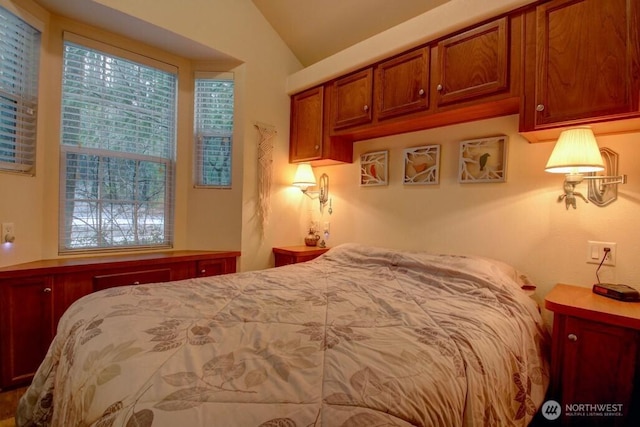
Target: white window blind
<point>19,62</point>
<point>214,103</point>
<point>117,153</point>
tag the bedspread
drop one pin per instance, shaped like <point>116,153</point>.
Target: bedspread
<point>361,336</point>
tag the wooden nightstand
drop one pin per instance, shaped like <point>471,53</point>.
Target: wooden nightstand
<point>286,255</point>
<point>595,356</point>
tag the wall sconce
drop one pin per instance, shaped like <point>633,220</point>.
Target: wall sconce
<point>304,178</point>
<point>575,154</point>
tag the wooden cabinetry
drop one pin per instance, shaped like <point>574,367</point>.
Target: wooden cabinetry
<point>582,63</point>
<point>294,254</point>
<point>473,64</point>
<point>306,125</point>
<point>351,100</point>
<point>26,328</point>
<point>595,355</point>
<point>33,296</point>
<point>402,84</point>
<point>471,75</point>
<point>309,136</point>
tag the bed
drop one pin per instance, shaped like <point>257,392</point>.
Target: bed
<point>361,336</point>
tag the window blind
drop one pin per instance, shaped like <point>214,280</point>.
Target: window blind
<point>19,65</point>
<point>214,105</point>
<point>118,149</point>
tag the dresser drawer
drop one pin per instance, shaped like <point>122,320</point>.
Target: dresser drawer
<point>131,278</point>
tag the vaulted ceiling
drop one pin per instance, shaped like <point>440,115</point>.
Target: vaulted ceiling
<point>313,29</point>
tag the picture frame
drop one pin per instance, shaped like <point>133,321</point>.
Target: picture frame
<point>422,165</point>
<point>483,160</point>
<point>374,168</point>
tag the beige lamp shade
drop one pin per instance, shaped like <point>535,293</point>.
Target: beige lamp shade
<point>304,176</point>
<point>575,152</point>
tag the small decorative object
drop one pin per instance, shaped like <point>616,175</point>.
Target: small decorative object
<point>483,160</point>
<point>311,239</point>
<point>422,165</point>
<point>374,169</point>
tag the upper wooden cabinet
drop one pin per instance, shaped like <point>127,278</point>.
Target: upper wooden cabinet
<point>402,84</point>
<point>351,100</point>
<point>309,136</point>
<point>581,63</point>
<point>473,64</point>
<point>306,125</point>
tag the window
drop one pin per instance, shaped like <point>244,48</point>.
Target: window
<point>19,62</point>
<point>117,150</point>
<point>213,129</point>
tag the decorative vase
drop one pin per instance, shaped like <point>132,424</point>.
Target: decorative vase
<point>311,239</point>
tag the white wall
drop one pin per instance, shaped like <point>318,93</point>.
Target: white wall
<point>205,218</point>
<point>518,221</point>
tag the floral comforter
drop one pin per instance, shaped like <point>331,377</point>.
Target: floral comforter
<point>361,336</point>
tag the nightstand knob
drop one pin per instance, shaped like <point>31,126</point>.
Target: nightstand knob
<point>572,337</point>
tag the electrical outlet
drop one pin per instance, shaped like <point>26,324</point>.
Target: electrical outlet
<point>8,232</point>
<point>595,252</point>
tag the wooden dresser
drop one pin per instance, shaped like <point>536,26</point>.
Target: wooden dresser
<point>34,295</point>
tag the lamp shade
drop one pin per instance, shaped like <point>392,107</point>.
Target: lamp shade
<point>575,152</point>
<point>304,176</point>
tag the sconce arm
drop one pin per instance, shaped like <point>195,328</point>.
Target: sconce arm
<point>608,180</point>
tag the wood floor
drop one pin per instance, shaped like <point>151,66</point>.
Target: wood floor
<point>8,403</point>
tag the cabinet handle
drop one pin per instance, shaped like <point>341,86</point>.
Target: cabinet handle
<point>136,283</point>
<point>540,107</point>
<point>203,271</point>
<point>366,108</point>
<point>572,337</point>
<point>317,147</point>
<point>439,88</point>
<point>47,290</point>
<point>421,92</point>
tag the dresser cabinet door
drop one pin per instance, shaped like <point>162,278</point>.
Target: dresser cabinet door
<point>26,327</point>
<point>597,365</point>
<point>215,267</point>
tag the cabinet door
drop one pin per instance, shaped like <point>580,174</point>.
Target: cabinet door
<point>586,60</point>
<point>351,103</point>
<point>306,125</point>
<point>215,267</point>
<point>597,366</point>
<point>473,64</point>
<point>26,327</point>
<point>402,84</point>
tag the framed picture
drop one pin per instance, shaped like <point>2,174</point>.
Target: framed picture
<point>422,165</point>
<point>483,160</point>
<point>374,169</point>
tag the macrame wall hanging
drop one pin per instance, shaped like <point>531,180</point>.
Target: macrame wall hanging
<point>265,169</point>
